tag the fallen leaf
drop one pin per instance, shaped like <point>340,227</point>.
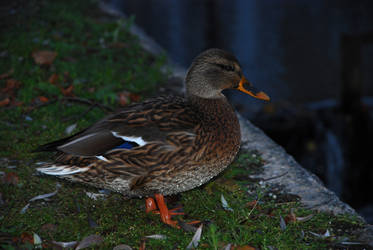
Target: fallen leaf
<point>245,248</point>
<point>44,57</point>
<point>142,245</point>
<point>26,237</point>
<point>4,102</point>
<point>123,98</point>
<point>251,203</point>
<point>24,209</point>
<point>282,224</point>
<point>37,241</point>
<point>28,118</point>
<point>16,103</point>
<point>227,247</point>
<point>157,237</point>
<point>7,74</point>
<point>70,129</point>
<point>134,97</point>
<point>68,91</point>
<point>322,236</point>
<point>291,216</point>
<point>43,99</point>
<point>65,244</point>
<point>11,84</point>
<point>224,203</point>
<point>53,79</point>
<point>187,227</point>
<point>11,178</point>
<point>122,247</point>
<point>45,196</point>
<point>95,196</point>
<point>196,238</point>
<point>90,240</point>
<point>306,218</point>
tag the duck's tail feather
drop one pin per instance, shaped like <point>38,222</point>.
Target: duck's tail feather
<point>52,146</point>
<point>54,169</point>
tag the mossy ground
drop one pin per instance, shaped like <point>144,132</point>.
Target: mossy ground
<point>100,59</point>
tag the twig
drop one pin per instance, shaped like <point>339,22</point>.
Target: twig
<point>252,209</point>
<point>40,105</point>
<point>76,100</point>
<point>87,102</point>
<point>78,116</point>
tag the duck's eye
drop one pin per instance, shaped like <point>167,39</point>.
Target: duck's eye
<point>226,67</point>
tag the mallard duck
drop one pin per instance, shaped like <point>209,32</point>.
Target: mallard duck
<point>162,146</point>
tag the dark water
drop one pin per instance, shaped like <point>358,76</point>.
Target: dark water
<point>291,49</point>
<point>288,48</point>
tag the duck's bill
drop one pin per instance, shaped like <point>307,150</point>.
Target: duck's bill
<point>246,87</point>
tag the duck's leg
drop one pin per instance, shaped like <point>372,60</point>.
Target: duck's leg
<point>150,205</point>
<point>164,212</point>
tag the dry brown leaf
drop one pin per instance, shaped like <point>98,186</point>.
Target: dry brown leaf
<point>16,103</point>
<point>290,217</point>
<point>68,91</point>
<point>247,247</point>
<point>53,79</point>
<point>11,84</point>
<point>134,97</point>
<point>26,237</point>
<point>44,57</point>
<point>142,245</point>
<point>123,98</point>
<point>306,218</point>
<point>4,102</point>
<point>251,203</point>
<point>7,74</point>
<point>43,99</point>
<point>11,178</point>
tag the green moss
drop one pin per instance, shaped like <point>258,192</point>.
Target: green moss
<point>103,59</point>
<point>123,221</point>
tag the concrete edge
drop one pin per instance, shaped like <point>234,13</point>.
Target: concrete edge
<point>281,169</point>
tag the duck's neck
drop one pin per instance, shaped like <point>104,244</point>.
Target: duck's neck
<point>217,114</point>
<point>218,131</point>
<point>212,106</point>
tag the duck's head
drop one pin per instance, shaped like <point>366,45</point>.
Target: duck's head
<point>215,70</point>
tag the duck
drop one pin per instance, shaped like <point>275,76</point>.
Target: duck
<point>164,145</point>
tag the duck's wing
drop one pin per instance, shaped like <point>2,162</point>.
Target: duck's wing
<point>137,125</point>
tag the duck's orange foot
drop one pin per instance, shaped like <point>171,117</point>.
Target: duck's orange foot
<point>164,212</point>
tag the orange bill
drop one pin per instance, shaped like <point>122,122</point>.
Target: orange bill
<point>246,87</point>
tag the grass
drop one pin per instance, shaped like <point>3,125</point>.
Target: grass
<point>100,60</point>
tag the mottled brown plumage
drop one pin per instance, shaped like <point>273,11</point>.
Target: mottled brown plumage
<point>181,142</point>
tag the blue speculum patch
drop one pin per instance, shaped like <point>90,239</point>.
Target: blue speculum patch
<point>128,145</point>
